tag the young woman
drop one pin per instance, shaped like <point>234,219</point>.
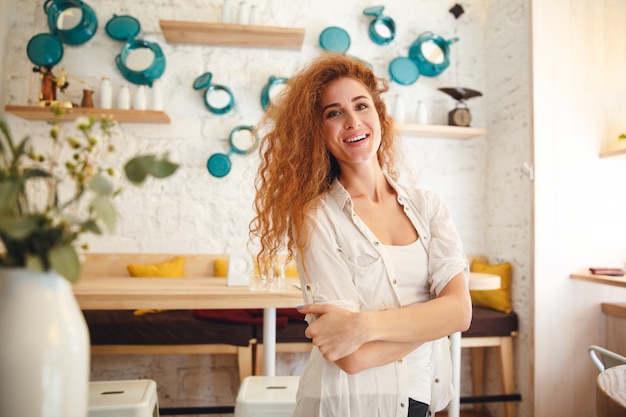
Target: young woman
<point>383,272</point>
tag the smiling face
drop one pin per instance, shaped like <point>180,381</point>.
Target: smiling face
<point>350,121</point>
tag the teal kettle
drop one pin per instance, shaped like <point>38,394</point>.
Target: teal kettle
<point>431,53</point>
<point>71,21</point>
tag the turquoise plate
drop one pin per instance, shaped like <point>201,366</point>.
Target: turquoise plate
<point>122,28</point>
<point>44,50</point>
<point>334,39</point>
<point>403,70</point>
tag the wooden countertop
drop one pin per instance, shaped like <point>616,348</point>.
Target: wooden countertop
<point>126,293</point>
<point>599,279</point>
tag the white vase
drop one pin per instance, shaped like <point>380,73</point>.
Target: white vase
<point>123,98</point>
<point>106,94</point>
<point>44,346</point>
<point>140,98</point>
<point>399,110</point>
<point>157,96</point>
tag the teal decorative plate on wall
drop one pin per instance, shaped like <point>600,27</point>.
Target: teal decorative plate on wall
<point>334,39</point>
<point>44,50</point>
<point>122,28</point>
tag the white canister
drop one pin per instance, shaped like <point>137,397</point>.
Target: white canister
<point>140,98</point>
<point>227,11</point>
<point>253,19</point>
<point>157,96</point>
<point>399,110</point>
<point>123,98</point>
<point>422,113</point>
<point>243,14</point>
<point>106,93</point>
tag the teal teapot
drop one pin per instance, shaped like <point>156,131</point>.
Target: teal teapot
<point>431,52</point>
<point>71,21</point>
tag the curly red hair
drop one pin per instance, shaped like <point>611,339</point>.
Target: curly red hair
<point>296,167</point>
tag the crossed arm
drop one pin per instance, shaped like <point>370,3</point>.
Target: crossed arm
<point>356,341</point>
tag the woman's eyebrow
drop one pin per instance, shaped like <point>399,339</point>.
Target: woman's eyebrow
<point>357,98</point>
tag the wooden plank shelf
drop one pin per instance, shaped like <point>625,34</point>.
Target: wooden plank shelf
<point>120,116</point>
<point>440,131</point>
<point>599,279</point>
<point>229,34</point>
<point>613,152</point>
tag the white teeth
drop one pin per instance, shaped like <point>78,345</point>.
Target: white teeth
<point>356,138</point>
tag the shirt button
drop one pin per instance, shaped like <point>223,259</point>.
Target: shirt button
<point>376,243</point>
<point>395,282</point>
<point>400,360</point>
<point>402,405</point>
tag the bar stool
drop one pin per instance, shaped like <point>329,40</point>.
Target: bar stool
<point>128,398</point>
<point>267,396</point>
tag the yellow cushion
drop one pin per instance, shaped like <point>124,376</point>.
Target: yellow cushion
<point>499,299</point>
<point>221,268</point>
<point>172,269</point>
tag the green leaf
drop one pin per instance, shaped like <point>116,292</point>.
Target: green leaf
<point>163,169</point>
<point>622,136</point>
<point>64,260</point>
<point>91,226</point>
<point>34,173</point>
<point>105,211</point>
<point>9,194</point>
<point>19,228</point>
<point>101,185</point>
<point>139,167</point>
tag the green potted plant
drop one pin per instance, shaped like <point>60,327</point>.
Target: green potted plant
<point>52,192</point>
<point>47,201</point>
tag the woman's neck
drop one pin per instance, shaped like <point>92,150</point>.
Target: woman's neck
<point>369,184</point>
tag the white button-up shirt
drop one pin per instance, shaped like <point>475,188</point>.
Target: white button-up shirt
<point>345,265</point>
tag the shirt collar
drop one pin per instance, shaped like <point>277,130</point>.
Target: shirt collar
<point>342,197</point>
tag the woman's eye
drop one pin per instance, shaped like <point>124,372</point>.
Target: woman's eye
<point>361,106</point>
<point>332,114</point>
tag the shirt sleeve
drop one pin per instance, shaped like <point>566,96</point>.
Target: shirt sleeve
<point>325,277</point>
<point>446,257</point>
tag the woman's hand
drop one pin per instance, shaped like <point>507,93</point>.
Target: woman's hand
<point>337,332</point>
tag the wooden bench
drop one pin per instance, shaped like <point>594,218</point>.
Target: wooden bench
<point>166,332</point>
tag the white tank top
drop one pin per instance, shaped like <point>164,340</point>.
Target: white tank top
<point>410,269</point>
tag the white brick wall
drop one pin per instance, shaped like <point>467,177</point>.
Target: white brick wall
<point>195,212</point>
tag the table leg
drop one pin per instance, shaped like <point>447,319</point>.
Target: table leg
<point>269,341</point>
<point>454,409</point>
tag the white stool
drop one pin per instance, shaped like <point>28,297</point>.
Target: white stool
<point>131,398</point>
<point>271,396</point>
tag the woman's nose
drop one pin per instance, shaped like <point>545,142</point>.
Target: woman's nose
<point>352,121</point>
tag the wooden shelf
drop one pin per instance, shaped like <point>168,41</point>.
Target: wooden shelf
<point>614,152</point>
<point>440,131</point>
<point>228,34</point>
<point>600,279</point>
<point>121,116</point>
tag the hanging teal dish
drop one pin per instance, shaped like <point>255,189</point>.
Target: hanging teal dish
<point>141,62</point>
<point>218,99</point>
<point>382,29</point>
<point>72,21</point>
<point>122,28</point>
<point>242,142</point>
<point>44,50</point>
<point>403,70</point>
<point>272,89</point>
<point>431,53</point>
<point>334,39</point>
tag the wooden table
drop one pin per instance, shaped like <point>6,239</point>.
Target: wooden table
<point>611,392</point>
<point>126,293</point>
